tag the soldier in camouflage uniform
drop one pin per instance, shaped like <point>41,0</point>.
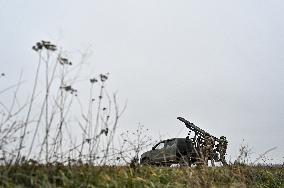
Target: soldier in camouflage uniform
<point>208,149</point>
<point>198,149</point>
<point>222,148</point>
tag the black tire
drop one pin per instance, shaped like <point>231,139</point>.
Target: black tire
<point>145,161</point>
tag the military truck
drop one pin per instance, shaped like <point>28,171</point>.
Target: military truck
<point>187,151</point>
<point>171,151</point>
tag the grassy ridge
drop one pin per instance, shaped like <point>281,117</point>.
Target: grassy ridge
<point>86,176</point>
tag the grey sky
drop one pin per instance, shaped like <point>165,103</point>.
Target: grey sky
<point>219,64</point>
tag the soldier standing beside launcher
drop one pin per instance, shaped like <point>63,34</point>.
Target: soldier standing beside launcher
<point>222,148</point>
<point>208,149</point>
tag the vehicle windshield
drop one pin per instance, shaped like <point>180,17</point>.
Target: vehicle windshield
<point>160,145</point>
<point>170,143</point>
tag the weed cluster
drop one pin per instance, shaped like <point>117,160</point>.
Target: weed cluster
<point>57,123</point>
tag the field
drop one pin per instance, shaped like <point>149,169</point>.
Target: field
<point>90,176</point>
<point>64,134</point>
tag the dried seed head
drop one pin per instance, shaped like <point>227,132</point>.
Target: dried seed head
<point>44,44</point>
<point>103,77</point>
<point>93,80</point>
<point>69,88</point>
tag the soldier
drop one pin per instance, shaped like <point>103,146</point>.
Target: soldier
<point>199,144</point>
<point>188,150</point>
<point>222,148</point>
<point>208,149</point>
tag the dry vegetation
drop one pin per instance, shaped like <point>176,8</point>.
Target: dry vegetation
<point>66,116</point>
<point>39,147</point>
<point>116,176</point>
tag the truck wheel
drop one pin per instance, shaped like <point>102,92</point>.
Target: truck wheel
<point>145,161</point>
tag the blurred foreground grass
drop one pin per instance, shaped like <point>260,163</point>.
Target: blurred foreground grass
<point>90,176</point>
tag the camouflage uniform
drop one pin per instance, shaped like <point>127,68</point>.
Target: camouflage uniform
<point>222,148</point>
<point>208,149</point>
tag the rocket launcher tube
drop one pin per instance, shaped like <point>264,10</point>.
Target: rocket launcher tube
<point>196,129</point>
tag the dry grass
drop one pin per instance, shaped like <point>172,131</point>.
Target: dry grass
<point>91,176</point>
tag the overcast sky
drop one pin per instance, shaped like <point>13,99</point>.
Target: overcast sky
<point>220,64</point>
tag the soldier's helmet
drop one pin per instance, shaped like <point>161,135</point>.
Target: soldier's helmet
<point>222,138</point>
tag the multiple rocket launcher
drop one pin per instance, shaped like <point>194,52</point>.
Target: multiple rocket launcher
<point>196,129</point>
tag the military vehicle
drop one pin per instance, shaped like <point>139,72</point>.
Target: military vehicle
<point>187,151</point>
<point>170,151</point>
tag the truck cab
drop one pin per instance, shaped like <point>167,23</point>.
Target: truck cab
<point>167,152</point>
